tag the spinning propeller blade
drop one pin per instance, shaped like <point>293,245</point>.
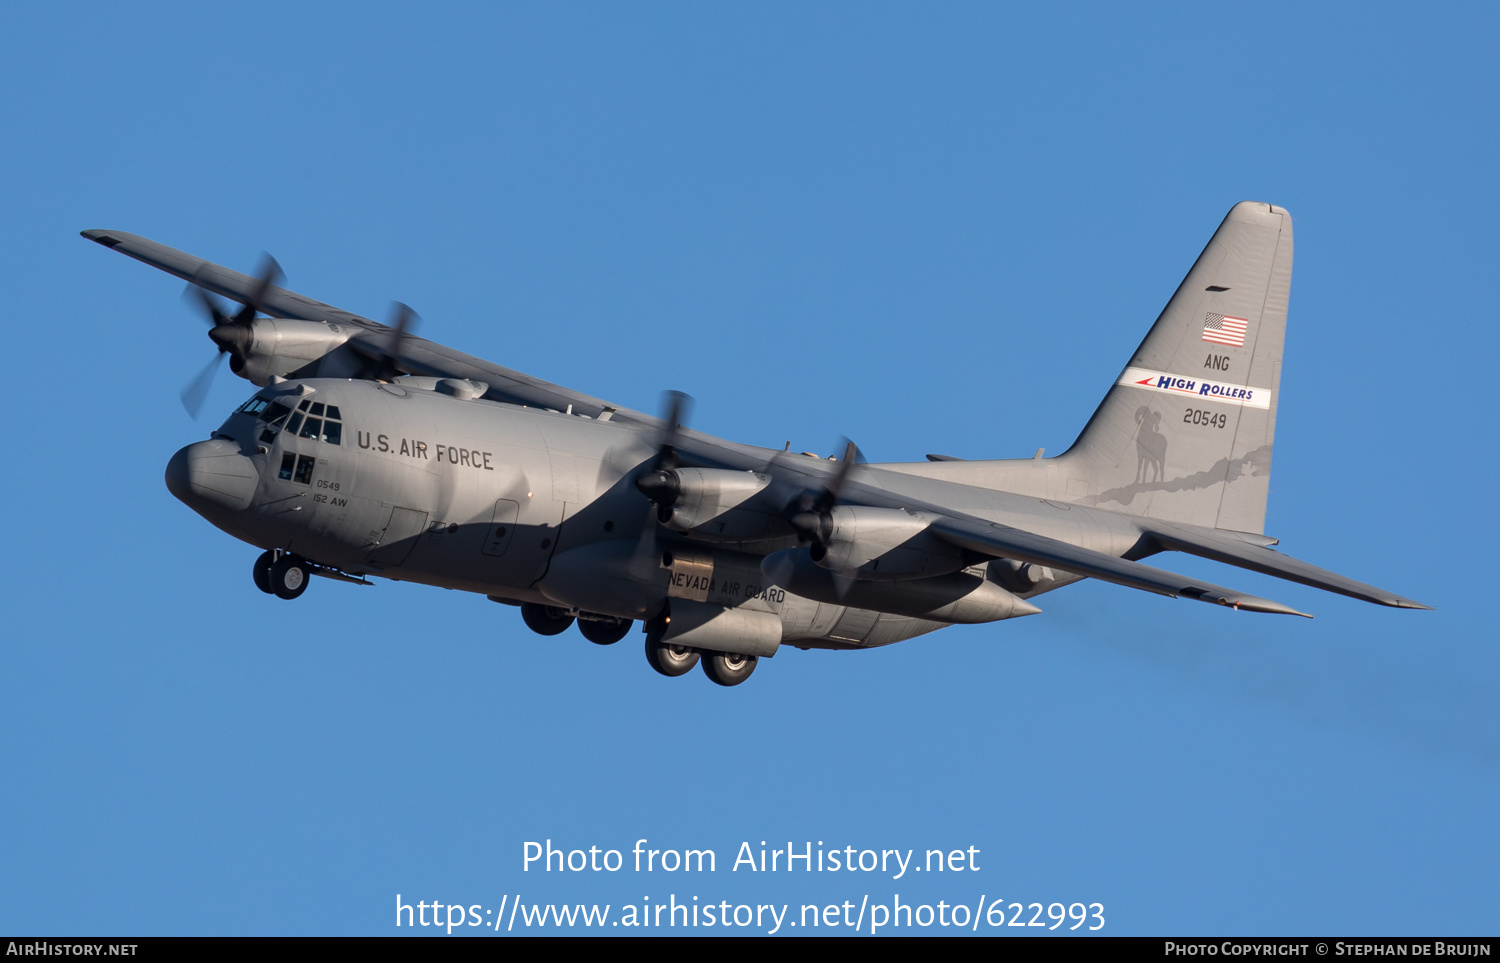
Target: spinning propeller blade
<point>659,484</point>
<point>387,366</point>
<point>196,391</point>
<point>231,335</point>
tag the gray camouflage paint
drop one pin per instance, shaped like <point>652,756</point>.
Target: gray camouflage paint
<point>524,491</point>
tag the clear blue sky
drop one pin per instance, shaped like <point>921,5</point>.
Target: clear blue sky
<point>930,230</point>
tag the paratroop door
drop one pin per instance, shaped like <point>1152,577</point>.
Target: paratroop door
<point>400,536</point>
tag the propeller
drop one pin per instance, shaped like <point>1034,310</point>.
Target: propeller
<point>385,367</point>
<point>659,483</point>
<point>231,334</point>
<point>811,513</point>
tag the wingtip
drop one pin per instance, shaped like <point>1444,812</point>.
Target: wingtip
<point>100,237</point>
<point>1409,604</point>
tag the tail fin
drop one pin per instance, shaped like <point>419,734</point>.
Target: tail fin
<point>1185,433</point>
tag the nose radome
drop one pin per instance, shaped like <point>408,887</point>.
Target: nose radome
<point>212,473</point>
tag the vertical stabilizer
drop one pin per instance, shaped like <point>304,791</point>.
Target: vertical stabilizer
<point>1185,433</point>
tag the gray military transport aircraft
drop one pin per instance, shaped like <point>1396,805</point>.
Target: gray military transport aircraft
<point>370,452</point>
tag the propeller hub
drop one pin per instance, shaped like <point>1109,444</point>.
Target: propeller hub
<point>231,338</point>
<point>662,487</point>
<point>813,527</point>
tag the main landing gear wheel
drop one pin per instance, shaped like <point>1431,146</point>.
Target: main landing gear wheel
<point>670,660</point>
<point>728,668</point>
<point>545,619</point>
<point>289,576</point>
<point>604,632</point>
<point>262,572</point>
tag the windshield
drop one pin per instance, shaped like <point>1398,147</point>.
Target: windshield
<point>310,419</point>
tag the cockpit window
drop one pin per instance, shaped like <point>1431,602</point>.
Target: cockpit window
<point>312,419</point>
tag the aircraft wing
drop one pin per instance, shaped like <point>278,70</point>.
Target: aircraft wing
<point>1002,541</point>
<point>279,302</point>
<point>418,356</point>
<point>1225,547</point>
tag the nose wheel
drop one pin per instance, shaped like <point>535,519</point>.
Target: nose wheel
<point>281,574</point>
<point>262,572</point>
<point>289,576</point>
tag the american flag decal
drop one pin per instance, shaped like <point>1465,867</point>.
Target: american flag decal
<point>1222,329</point>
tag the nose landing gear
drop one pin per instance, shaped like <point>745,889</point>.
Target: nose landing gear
<point>289,576</point>
<point>281,574</point>
<point>262,571</point>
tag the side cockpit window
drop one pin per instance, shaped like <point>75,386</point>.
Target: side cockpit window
<point>297,468</point>
<point>275,413</point>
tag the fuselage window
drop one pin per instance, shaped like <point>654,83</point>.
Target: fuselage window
<point>311,428</point>
<point>333,432</point>
<point>297,468</point>
<point>303,406</point>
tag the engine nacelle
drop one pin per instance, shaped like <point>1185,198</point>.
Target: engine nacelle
<point>885,544</point>
<point>278,346</point>
<point>959,597</point>
<point>708,503</point>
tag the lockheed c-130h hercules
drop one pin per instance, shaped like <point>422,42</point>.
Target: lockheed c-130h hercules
<point>370,452</point>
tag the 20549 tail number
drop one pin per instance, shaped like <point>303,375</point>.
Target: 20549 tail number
<point>1208,419</point>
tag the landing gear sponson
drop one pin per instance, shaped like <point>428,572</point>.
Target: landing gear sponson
<point>674,659</point>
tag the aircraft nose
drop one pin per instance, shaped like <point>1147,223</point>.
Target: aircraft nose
<point>214,474</point>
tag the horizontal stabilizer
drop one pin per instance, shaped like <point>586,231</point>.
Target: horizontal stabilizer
<point>1226,548</point>
<point>1002,541</point>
